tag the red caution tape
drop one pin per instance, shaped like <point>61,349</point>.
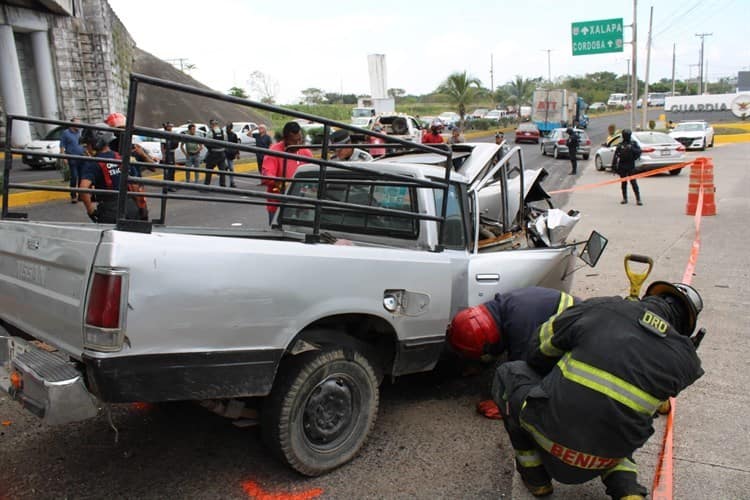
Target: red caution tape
<point>650,173</point>
<point>663,486</point>
<point>254,490</point>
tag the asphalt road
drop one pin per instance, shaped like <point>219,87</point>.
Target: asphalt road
<point>428,441</point>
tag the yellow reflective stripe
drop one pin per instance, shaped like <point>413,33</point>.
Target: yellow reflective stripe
<point>566,301</point>
<point>610,385</point>
<point>546,332</point>
<point>528,458</point>
<point>540,438</point>
<point>624,465</point>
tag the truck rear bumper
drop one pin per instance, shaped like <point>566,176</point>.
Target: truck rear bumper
<point>45,384</point>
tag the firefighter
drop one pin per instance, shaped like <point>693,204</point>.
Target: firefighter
<point>505,323</point>
<point>103,175</point>
<point>597,373</point>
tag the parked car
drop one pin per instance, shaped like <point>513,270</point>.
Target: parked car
<point>450,119</point>
<point>556,143</point>
<point>50,144</point>
<point>694,134</point>
<point>400,125</point>
<point>597,106</point>
<point>242,129</point>
<point>495,115</point>
<point>657,150</point>
<point>150,145</point>
<point>479,112</point>
<point>527,132</point>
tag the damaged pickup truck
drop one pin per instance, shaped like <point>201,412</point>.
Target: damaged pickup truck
<point>358,279</point>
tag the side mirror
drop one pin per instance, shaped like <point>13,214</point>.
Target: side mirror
<point>593,249</point>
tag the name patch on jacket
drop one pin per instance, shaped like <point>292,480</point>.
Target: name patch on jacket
<point>654,324</point>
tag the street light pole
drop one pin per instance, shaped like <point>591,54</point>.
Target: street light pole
<point>702,37</point>
<point>549,66</point>
<point>644,101</point>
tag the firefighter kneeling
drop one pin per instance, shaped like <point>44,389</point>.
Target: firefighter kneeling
<point>585,399</point>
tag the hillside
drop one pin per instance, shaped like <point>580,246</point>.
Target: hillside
<point>157,105</point>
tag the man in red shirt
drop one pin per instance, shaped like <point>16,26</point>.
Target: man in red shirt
<point>275,166</point>
<point>433,136</point>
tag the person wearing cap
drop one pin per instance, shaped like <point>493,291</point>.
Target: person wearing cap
<point>215,158</point>
<point>168,147</point>
<point>504,324</point>
<point>584,400</point>
<point>623,163</point>
<point>573,142</point>
<point>275,166</point>
<point>432,135</point>
<point>342,137</point>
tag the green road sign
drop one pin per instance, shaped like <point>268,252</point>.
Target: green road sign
<point>597,37</point>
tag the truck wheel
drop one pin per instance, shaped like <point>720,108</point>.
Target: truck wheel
<point>321,409</point>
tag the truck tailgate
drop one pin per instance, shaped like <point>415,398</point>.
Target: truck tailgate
<point>44,273</point>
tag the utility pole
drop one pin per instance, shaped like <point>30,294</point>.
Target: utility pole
<point>674,60</point>
<point>549,66</point>
<point>702,37</point>
<point>179,60</point>
<point>690,75</point>
<point>644,101</point>
<point>634,83</point>
<point>627,73</point>
<point>492,73</point>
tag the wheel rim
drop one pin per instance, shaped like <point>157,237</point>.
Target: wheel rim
<point>330,412</point>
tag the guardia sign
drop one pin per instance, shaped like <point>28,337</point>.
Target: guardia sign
<point>597,37</point>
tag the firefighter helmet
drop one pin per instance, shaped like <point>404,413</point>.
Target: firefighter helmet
<point>97,139</point>
<point>471,330</point>
<point>116,120</point>
<point>685,294</point>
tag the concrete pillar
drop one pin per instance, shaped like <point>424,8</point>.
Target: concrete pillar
<point>45,75</point>
<point>11,86</point>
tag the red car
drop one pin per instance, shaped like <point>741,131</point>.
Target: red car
<point>527,132</point>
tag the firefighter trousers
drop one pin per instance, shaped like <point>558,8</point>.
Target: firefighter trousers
<point>513,383</point>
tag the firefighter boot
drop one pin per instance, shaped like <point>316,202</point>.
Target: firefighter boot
<point>535,478</point>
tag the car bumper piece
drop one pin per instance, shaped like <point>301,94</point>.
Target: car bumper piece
<point>45,384</point>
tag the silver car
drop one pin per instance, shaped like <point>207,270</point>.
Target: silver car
<point>657,150</point>
<point>556,143</point>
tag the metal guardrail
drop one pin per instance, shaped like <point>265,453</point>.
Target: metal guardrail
<point>243,196</point>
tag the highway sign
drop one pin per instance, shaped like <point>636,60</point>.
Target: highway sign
<point>597,37</point>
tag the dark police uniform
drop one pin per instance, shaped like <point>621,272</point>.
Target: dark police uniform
<point>623,163</point>
<point>607,364</point>
<point>216,158</point>
<point>104,175</point>
<point>520,312</point>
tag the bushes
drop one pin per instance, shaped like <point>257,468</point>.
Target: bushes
<point>480,124</point>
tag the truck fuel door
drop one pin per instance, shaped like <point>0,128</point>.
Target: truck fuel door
<point>405,303</point>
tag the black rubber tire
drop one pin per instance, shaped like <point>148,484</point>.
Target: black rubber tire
<point>598,163</point>
<point>555,153</point>
<point>712,142</point>
<point>342,375</point>
<point>544,152</point>
<point>703,146</point>
<point>675,171</point>
<point>585,157</point>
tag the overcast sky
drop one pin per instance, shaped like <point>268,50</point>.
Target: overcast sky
<point>325,44</point>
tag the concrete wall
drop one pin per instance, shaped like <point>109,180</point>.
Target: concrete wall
<point>712,108</point>
<point>72,59</point>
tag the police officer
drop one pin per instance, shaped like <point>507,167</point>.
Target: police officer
<point>505,323</point>
<point>216,153</point>
<point>102,175</point>
<point>626,153</point>
<point>573,142</point>
<point>606,366</point>
<point>340,137</point>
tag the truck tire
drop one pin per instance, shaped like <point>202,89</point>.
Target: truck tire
<point>321,409</point>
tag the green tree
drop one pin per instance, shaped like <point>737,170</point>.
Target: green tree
<point>312,96</point>
<point>521,90</point>
<point>237,92</point>
<point>461,89</point>
<point>396,93</point>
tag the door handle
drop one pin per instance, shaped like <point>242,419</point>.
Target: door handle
<point>488,278</point>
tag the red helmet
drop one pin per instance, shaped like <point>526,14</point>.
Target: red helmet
<point>116,120</point>
<point>471,330</point>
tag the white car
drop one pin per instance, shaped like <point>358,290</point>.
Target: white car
<point>150,145</point>
<point>657,150</point>
<point>694,134</point>
<point>50,144</point>
<point>597,106</point>
<point>449,118</point>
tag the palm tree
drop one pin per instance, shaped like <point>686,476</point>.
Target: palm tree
<point>522,89</point>
<point>461,89</point>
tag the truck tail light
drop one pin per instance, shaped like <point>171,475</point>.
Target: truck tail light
<point>561,141</point>
<point>104,329</point>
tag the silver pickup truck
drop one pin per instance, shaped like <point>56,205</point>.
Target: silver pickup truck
<point>92,314</point>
